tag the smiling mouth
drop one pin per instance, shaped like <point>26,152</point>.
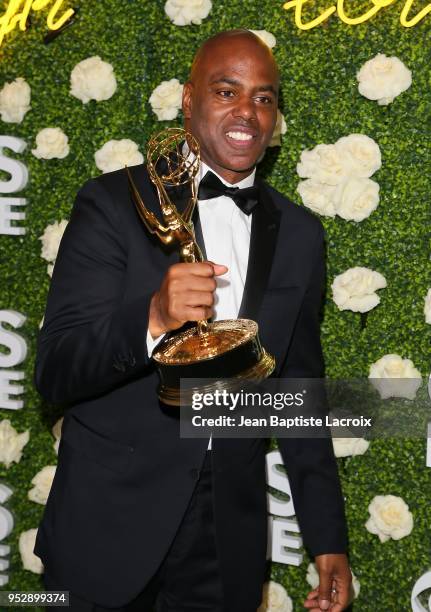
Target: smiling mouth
<point>239,136</point>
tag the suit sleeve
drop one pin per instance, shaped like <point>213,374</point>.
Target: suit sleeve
<point>92,340</point>
<point>310,462</point>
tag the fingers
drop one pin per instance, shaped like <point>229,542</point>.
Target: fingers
<point>198,314</point>
<point>192,283</point>
<point>219,269</point>
<point>344,592</point>
<point>312,601</point>
<point>198,298</point>
<point>186,294</point>
<point>333,592</point>
<point>189,306</point>
<point>202,269</point>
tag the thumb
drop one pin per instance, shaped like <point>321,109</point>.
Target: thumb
<point>219,269</point>
<point>325,586</point>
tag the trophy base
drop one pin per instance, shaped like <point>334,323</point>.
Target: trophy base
<point>229,350</point>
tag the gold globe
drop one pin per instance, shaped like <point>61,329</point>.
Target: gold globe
<point>179,164</point>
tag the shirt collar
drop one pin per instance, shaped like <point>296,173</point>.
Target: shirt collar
<point>248,181</point>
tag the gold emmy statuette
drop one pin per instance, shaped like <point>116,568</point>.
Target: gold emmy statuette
<point>219,350</point>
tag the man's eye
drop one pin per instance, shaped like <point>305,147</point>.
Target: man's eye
<point>225,93</point>
<point>264,99</point>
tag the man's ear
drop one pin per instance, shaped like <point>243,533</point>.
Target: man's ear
<point>187,100</point>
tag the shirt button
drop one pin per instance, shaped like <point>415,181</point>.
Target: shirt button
<point>194,473</point>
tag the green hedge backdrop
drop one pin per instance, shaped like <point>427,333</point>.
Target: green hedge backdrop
<point>321,102</point>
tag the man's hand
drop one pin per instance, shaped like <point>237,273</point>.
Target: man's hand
<point>186,294</point>
<point>334,573</point>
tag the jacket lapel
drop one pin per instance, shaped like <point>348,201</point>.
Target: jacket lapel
<point>265,224</point>
<point>198,231</point>
<point>178,195</point>
<point>145,187</point>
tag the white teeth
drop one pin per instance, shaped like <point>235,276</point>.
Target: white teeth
<point>239,136</point>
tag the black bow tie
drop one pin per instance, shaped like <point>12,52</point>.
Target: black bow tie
<point>212,187</point>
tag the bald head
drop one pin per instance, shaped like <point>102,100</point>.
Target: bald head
<point>230,101</point>
<point>232,40</point>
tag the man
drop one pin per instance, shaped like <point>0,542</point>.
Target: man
<point>136,514</point>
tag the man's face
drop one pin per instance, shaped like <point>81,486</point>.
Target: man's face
<point>230,105</point>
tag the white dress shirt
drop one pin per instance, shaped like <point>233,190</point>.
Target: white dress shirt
<point>226,233</point>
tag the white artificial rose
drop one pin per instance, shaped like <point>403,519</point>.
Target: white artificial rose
<point>346,166</point>
<point>15,100</point>
<point>11,443</point>
<point>115,154</point>
<point>355,289</point>
<point>51,239</point>
<point>93,79</point>
<point>42,484</point>
<point>427,307</point>
<point>166,99</point>
<point>325,163</point>
<point>279,130</point>
<point>319,198</point>
<point>29,560</point>
<point>362,154</point>
<point>275,598</point>
<point>56,432</point>
<point>346,447</point>
<point>56,428</point>
<point>50,143</point>
<point>312,578</point>
<point>268,38</point>
<point>389,517</point>
<point>186,12</point>
<point>394,376</point>
<point>356,198</point>
<point>383,78</point>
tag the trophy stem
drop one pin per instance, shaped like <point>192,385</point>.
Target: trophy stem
<point>190,253</point>
<point>203,327</point>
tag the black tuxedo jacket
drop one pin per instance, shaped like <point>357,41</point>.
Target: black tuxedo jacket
<point>124,475</point>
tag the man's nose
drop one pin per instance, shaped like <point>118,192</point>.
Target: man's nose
<point>245,108</point>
